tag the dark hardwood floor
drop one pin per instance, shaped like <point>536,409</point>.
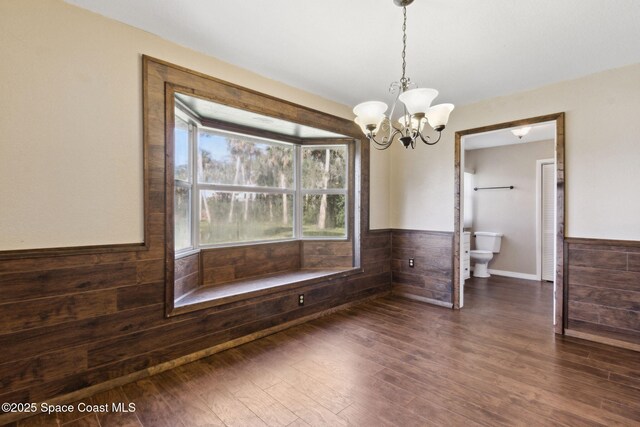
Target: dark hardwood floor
<point>392,362</point>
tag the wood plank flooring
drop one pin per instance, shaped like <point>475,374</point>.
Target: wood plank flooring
<point>396,362</point>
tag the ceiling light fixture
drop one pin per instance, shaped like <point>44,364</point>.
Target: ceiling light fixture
<point>520,132</point>
<point>416,107</point>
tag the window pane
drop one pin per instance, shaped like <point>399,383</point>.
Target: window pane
<point>227,217</point>
<point>323,215</point>
<point>182,217</point>
<point>181,150</point>
<point>324,167</point>
<point>230,159</point>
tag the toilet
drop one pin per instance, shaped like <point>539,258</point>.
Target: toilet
<point>487,244</point>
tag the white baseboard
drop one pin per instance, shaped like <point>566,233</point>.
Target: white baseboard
<point>513,274</point>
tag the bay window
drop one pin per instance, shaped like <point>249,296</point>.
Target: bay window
<point>232,188</point>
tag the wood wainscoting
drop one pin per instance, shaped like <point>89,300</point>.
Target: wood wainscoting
<point>187,275</point>
<point>324,254</point>
<point>603,290</point>
<point>73,319</point>
<point>223,265</point>
<point>431,278</point>
<point>395,362</point>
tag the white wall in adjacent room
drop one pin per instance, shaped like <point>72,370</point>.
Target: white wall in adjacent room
<point>510,212</point>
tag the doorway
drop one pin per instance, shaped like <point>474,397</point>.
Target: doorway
<point>549,232</point>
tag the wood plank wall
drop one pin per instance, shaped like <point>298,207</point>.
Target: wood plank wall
<point>604,288</point>
<point>76,318</point>
<point>319,254</point>
<point>187,274</point>
<point>431,278</point>
<point>222,265</point>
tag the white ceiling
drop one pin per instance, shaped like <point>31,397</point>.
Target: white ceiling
<point>497,138</point>
<point>349,50</point>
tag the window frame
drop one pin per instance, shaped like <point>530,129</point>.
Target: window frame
<point>329,191</point>
<point>244,189</point>
<point>192,124</point>
<point>195,124</point>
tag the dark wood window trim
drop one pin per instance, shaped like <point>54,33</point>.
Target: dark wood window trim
<point>163,80</point>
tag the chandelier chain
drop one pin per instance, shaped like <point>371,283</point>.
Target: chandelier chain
<point>415,109</point>
<point>404,83</point>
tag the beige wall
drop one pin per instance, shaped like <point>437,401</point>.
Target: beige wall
<point>379,191</point>
<point>602,154</point>
<point>511,212</point>
<point>71,121</point>
<point>71,150</point>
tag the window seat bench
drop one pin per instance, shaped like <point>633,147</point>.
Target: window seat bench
<point>216,295</point>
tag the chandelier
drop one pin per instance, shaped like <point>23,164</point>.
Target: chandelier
<point>416,109</point>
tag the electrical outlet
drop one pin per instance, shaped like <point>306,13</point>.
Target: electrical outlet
<point>412,262</point>
<point>301,299</point>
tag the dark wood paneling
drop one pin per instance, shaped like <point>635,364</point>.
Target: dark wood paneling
<point>186,284</point>
<point>222,265</point>
<point>583,311</point>
<point>610,260</point>
<point>186,274</point>
<point>140,295</point>
<point>432,274</point>
<point>187,265</point>
<point>620,318</point>
<point>38,264</point>
<point>48,283</point>
<point>382,363</point>
<point>54,365</point>
<point>31,342</point>
<point>626,300</point>
<point>624,280</point>
<point>634,262</point>
<point>227,324</point>
<point>72,320</point>
<point>35,313</point>
<point>320,254</point>
<point>150,271</point>
<point>603,288</point>
<point>218,275</point>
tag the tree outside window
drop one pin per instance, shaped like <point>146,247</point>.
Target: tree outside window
<point>252,189</point>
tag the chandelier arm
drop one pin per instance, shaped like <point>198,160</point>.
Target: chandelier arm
<point>383,144</point>
<point>426,141</point>
<point>409,132</point>
<point>381,147</point>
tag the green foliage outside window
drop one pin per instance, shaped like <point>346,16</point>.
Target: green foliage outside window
<point>234,172</point>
